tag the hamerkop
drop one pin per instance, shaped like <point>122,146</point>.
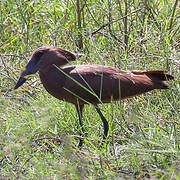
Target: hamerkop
<point>83,84</point>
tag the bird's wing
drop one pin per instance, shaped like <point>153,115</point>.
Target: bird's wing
<point>107,82</point>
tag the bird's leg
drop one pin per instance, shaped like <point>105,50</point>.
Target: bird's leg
<point>105,123</point>
<point>79,109</point>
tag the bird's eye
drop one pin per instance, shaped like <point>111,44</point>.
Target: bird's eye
<point>38,57</point>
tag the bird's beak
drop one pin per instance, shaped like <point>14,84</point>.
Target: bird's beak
<point>29,69</point>
<point>20,82</point>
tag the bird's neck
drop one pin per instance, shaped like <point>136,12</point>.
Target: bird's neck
<point>52,80</point>
<point>48,73</point>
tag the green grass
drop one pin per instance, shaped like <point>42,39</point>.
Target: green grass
<point>38,133</point>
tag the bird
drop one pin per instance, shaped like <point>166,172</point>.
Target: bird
<point>90,83</point>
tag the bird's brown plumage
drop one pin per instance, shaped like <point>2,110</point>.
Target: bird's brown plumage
<point>99,84</point>
<point>103,81</point>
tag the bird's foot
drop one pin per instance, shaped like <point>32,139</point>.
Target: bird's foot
<point>81,142</point>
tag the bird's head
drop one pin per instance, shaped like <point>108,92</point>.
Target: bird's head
<point>43,58</point>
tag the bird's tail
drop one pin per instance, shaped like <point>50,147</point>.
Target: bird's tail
<point>157,77</point>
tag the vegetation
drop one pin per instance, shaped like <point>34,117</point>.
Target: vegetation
<point>38,133</point>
